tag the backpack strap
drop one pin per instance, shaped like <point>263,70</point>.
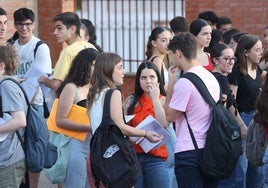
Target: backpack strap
<point>201,87</point>
<point>16,82</point>
<point>106,105</point>
<point>37,45</point>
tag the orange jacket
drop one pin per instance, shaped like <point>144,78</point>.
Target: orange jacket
<point>142,111</point>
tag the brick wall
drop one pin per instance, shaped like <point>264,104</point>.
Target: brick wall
<point>44,10</point>
<point>47,10</point>
<point>128,86</point>
<point>10,7</point>
<point>248,15</point>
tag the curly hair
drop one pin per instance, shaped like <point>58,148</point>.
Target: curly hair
<point>79,72</point>
<point>9,57</point>
<point>186,43</point>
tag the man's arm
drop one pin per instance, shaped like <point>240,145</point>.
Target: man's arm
<point>51,83</point>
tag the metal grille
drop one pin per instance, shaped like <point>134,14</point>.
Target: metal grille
<point>124,26</point>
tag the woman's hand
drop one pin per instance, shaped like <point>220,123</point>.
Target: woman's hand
<point>152,136</point>
<point>154,91</point>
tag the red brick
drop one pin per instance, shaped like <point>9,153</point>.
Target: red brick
<point>248,16</point>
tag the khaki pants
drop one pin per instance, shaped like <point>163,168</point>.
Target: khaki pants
<point>11,176</point>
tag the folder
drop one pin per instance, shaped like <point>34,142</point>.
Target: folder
<point>77,114</point>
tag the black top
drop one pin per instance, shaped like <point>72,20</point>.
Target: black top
<point>248,88</point>
<point>82,103</point>
<point>225,88</point>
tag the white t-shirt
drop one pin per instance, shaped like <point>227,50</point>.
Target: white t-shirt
<point>26,57</point>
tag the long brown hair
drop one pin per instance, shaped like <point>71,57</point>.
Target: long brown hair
<point>245,43</point>
<point>153,37</point>
<point>138,90</point>
<point>102,76</point>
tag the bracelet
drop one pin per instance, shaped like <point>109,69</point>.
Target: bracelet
<point>240,125</point>
<point>145,134</point>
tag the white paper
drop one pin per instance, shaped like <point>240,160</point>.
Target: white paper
<point>151,124</point>
<point>5,118</point>
<point>31,83</point>
<point>129,117</point>
<point>49,95</point>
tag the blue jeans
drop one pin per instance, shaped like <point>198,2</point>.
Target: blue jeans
<point>188,173</point>
<point>265,168</point>
<point>245,175</point>
<point>228,182</point>
<point>76,175</point>
<point>154,172</point>
<point>170,160</point>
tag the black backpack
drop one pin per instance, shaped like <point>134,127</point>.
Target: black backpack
<point>223,145</point>
<point>113,159</point>
<point>39,152</point>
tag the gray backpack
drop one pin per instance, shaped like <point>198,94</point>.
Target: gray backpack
<point>256,143</point>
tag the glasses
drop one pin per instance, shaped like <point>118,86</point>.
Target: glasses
<point>228,60</point>
<point>20,24</point>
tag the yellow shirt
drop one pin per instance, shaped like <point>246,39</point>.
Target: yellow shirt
<point>66,57</point>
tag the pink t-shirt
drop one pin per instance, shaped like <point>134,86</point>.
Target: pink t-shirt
<point>187,98</point>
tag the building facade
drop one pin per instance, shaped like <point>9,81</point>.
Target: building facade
<point>124,26</point>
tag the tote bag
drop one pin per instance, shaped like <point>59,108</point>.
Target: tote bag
<point>57,173</point>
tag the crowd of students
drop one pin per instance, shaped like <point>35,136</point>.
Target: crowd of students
<point>226,59</point>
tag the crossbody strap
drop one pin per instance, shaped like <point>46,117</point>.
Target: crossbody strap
<point>201,87</point>
<point>28,103</point>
